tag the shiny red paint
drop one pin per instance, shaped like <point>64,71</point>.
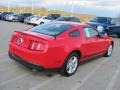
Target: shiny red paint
<point>55,50</point>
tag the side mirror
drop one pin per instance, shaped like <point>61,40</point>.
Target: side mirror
<point>102,35</point>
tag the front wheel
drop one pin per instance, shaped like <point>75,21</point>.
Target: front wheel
<point>41,23</point>
<point>70,65</point>
<point>109,51</point>
<point>13,20</point>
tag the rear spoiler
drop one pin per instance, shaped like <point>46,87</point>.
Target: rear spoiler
<point>37,35</point>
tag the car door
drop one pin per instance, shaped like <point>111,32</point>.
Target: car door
<point>93,44</point>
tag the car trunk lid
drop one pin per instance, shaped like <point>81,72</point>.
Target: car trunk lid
<point>24,38</point>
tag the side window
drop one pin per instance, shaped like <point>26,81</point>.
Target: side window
<point>90,32</point>
<point>49,18</point>
<point>74,20</point>
<point>75,33</point>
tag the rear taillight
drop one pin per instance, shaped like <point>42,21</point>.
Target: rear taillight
<point>37,46</point>
<point>37,19</point>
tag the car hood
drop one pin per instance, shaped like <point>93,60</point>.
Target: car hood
<point>34,18</point>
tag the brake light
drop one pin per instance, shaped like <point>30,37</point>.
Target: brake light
<point>37,46</point>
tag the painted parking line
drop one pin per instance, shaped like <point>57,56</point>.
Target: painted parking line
<point>8,68</point>
<point>14,79</point>
<point>4,53</point>
<point>44,83</point>
<point>37,87</point>
<point>4,60</point>
<point>78,85</point>
<point>113,80</point>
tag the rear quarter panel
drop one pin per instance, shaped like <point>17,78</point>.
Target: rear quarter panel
<point>62,46</point>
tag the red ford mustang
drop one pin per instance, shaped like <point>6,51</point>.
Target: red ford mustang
<point>59,45</point>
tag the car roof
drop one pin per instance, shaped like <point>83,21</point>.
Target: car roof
<point>102,17</point>
<point>71,23</point>
<point>67,17</point>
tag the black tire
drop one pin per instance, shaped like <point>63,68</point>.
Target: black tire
<point>108,52</point>
<point>118,35</point>
<point>41,23</point>
<point>34,24</point>
<point>13,20</point>
<point>64,70</point>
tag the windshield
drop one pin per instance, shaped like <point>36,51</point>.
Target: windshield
<point>52,29</point>
<point>63,19</point>
<point>48,18</point>
<point>54,15</point>
<point>101,20</point>
<point>25,14</point>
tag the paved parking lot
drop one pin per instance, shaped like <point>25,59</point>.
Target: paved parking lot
<point>99,74</point>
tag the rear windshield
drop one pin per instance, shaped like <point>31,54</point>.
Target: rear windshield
<point>102,20</point>
<point>26,14</point>
<point>52,29</point>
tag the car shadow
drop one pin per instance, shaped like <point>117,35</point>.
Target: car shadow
<point>49,73</point>
<point>90,60</point>
<point>35,72</point>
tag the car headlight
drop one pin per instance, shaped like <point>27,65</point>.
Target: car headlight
<point>100,28</point>
<point>11,17</point>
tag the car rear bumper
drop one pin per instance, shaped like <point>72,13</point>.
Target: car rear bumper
<point>40,58</point>
<point>30,22</point>
<point>24,62</point>
<point>34,22</point>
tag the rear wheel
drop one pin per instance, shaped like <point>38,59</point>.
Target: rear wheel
<point>13,20</point>
<point>41,22</point>
<point>109,51</point>
<point>70,65</point>
<point>118,35</point>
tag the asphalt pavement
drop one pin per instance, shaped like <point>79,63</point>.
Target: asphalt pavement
<point>98,74</point>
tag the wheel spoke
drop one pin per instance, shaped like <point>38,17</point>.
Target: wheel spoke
<point>72,64</point>
<point>110,50</point>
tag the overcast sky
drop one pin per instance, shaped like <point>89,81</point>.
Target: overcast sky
<point>95,7</point>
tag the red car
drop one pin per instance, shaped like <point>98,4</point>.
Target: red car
<point>59,45</point>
